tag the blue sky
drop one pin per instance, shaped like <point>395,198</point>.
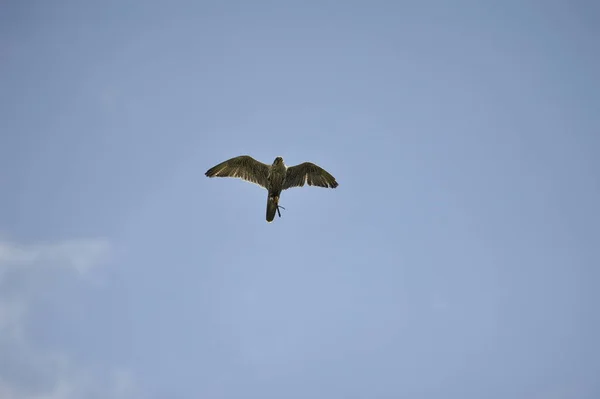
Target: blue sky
<point>458,258</point>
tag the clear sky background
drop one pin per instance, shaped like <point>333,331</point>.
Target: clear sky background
<point>458,258</point>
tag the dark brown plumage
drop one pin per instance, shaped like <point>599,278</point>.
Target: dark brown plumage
<point>275,178</point>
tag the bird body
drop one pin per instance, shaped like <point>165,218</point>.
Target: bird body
<point>275,178</point>
<point>275,182</point>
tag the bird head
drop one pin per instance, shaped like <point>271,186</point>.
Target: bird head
<point>278,161</point>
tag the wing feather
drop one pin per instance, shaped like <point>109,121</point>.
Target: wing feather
<point>308,173</point>
<point>243,167</point>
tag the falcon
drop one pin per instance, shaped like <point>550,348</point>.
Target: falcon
<point>275,178</point>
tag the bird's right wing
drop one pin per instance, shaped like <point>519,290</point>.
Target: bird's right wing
<point>308,173</point>
<point>243,167</point>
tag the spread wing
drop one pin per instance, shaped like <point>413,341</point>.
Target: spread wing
<point>308,173</point>
<point>243,167</point>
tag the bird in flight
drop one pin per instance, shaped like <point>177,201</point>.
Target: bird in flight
<point>275,178</point>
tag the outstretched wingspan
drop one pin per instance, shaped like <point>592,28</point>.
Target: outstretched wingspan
<point>308,173</point>
<point>243,167</point>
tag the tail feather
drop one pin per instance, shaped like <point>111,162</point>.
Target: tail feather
<point>272,203</point>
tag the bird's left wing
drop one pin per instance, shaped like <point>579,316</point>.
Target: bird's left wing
<point>243,167</point>
<point>308,173</point>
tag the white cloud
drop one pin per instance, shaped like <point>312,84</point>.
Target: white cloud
<point>27,371</point>
<point>78,255</point>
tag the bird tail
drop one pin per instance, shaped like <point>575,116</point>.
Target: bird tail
<point>272,203</point>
